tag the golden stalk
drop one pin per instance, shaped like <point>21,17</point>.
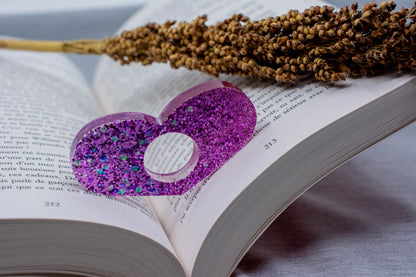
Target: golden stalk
<point>82,46</point>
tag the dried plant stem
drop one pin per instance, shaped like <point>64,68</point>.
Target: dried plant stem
<point>83,46</point>
<point>321,41</point>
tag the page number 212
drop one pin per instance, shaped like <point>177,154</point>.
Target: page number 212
<point>54,204</point>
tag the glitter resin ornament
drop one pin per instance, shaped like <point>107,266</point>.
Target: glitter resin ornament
<point>108,153</point>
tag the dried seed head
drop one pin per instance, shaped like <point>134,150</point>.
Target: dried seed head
<point>331,44</point>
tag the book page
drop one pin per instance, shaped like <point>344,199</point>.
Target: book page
<point>44,102</point>
<point>287,114</point>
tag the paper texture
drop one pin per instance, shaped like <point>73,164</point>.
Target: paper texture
<point>44,103</point>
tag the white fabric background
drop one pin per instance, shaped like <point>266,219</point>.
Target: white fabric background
<point>358,221</point>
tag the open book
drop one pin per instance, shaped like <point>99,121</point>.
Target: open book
<point>50,225</point>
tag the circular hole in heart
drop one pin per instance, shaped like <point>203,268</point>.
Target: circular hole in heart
<point>171,157</point>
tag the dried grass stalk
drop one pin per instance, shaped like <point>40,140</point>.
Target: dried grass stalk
<point>329,44</point>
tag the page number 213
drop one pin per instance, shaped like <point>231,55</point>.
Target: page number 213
<point>270,143</point>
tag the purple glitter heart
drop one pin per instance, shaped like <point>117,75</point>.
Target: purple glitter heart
<point>107,154</point>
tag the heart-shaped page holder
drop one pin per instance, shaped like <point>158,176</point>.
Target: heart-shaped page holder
<point>108,153</point>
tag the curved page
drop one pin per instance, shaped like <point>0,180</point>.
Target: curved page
<point>287,114</point>
<point>44,102</point>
